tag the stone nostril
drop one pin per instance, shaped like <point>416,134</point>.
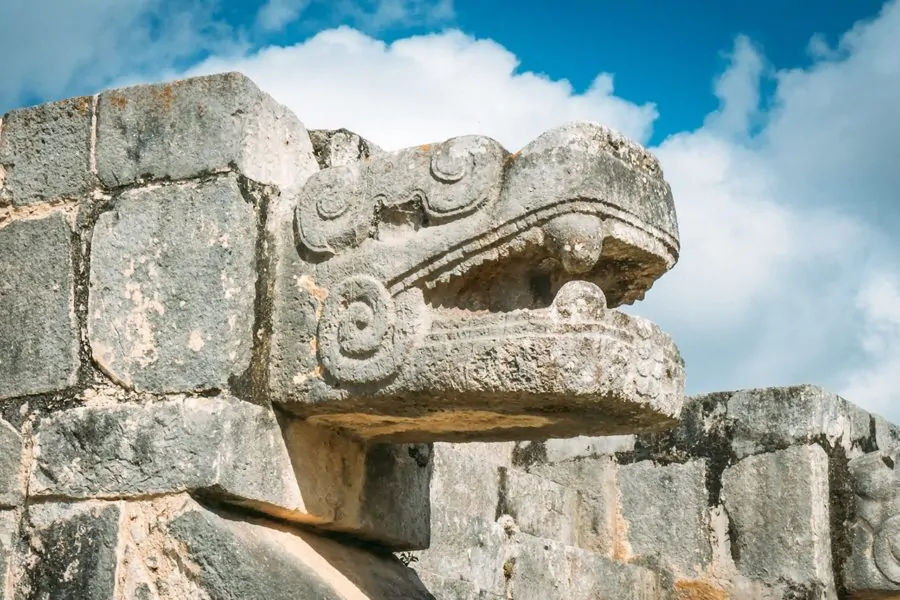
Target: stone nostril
<point>576,240</point>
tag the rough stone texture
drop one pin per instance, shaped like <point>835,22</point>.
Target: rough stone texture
<point>172,286</point>
<point>197,126</point>
<point>12,475</point>
<point>664,508</point>
<point>39,352</point>
<point>221,557</point>
<point>45,152</point>
<point>540,507</point>
<point>778,504</point>
<point>873,568</point>
<point>338,147</point>
<point>9,534</point>
<point>69,551</point>
<point>396,338</point>
<point>224,447</point>
<point>794,415</point>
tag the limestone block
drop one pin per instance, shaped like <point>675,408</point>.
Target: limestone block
<point>778,505</point>
<point>456,292</point>
<point>179,549</point>
<point>12,476</point>
<point>338,147</point>
<point>665,510</point>
<point>39,353</point>
<point>196,127</point>
<point>761,419</point>
<point>541,569</point>
<point>172,286</point>
<point>235,452</point>
<point>9,536</point>
<point>69,551</point>
<point>451,588</point>
<point>540,507</point>
<point>873,570</point>
<point>45,152</point>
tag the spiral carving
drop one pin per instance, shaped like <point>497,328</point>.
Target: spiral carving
<point>356,331</point>
<point>465,170</point>
<point>331,212</point>
<point>886,548</point>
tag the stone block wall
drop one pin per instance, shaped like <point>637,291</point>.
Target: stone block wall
<point>755,495</point>
<point>179,420</point>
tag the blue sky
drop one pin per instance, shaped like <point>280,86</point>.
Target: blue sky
<point>775,122</point>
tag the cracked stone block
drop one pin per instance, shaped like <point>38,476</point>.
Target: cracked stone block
<point>172,286</point>
<point>778,506</point>
<point>39,353</point>
<point>180,549</point>
<point>45,152</point>
<point>665,510</point>
<point>779,417</point>
<point>540,569</point>
<point>457,292</point>
<point>195,127</point>
<point>236,452</point>
<point>540,507</point>
<point>873,569</point>
<point>12,475</point>
<point>69,551</point>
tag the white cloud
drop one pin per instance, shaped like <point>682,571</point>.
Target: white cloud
<point>274,15</point>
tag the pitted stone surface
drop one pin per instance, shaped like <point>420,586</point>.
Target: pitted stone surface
<point>12,475</point>
<point>39,349</point>
<point>172,286</point>
<point>778,504</point>
<point>195,127</point>
<point>45,152</point>
<point>443,292</point>
<point>69,551</point>
<point>873,568</point>
<point>665,511</point>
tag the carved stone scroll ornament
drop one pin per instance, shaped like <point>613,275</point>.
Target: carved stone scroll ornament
<point>874,564</point>
<point>457,291</point>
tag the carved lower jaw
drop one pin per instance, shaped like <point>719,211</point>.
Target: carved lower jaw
<point>574,368</point>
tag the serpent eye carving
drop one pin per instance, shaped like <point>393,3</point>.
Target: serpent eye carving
<point>332,214</point>
<point>356,331</point>
<point>471,165</point>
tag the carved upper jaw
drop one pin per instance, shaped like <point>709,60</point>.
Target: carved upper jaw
<point>453,291</point>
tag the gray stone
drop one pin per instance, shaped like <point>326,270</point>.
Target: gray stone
<point>45,152</point>
<point>236,452</point>
<point>887,435</point>
<point>70,553</point>
<point>873,570</point>
<point>450,588</point>
<point>338,147</point>
<point>247,559</point>
<point>664,507</point>
<point>778,505</point>
<point>12,468</point>
<point>763,419</point>
<point>540,507</point>
<point>541,569</point>
<point>9,535</point>
<point>584,446</point>
<point>195,127</point>
<point>39,353</point>
<point>447,293</point>
<point>172,286</point>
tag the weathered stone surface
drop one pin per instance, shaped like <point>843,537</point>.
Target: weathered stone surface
<point>338,147</point>
<point>39,349</point>
<point>449,588</point>
<point>778,504</point>
<point>236,452</point>
<point>665,511</point>
<point>873,568</point>
<point>195,127</point>
<point>397,338</point>
<point>45,152</point>
<point>540,507</point>
<point>230,559</point>
<point>12,475</point>
<point>779,417</point>
<point>70,552</point>
<point>541,569</point>
<point>9,535</point>
<point>172,286</point>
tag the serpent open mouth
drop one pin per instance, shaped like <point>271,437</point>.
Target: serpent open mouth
<point>465,293</point>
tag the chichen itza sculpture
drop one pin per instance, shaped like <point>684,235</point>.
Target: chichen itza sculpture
<point>241,360</point>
